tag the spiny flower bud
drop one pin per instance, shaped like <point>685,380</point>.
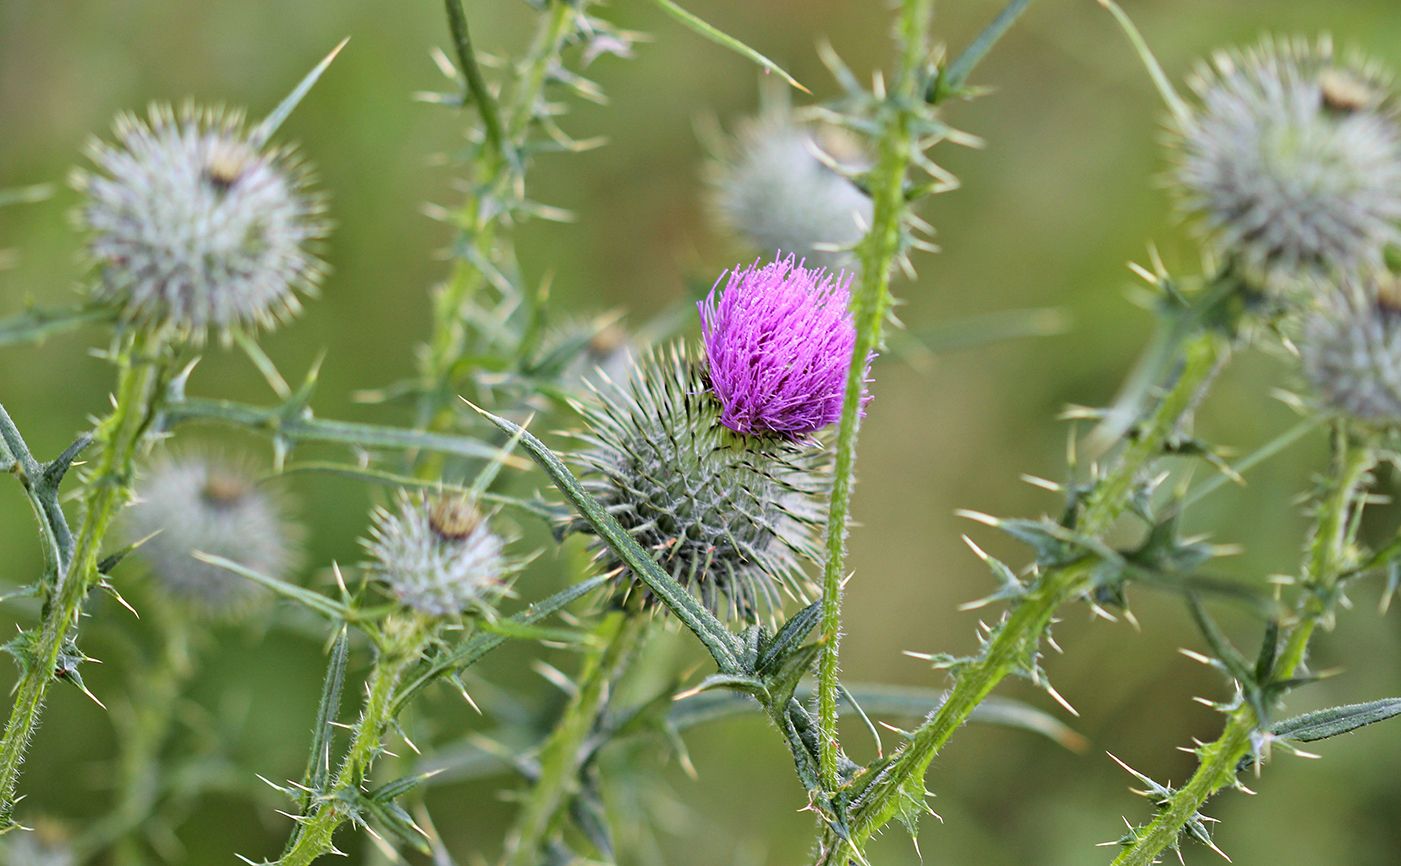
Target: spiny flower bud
<point>778,342</point>
<point>437,554</point>
<point>195,226</point>
<point>1292,159</point>
<point>776,194</point>
<point>731,517</point>
<point>1351,350</point>
<point>195,502</point>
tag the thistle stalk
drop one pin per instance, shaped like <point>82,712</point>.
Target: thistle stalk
<point>142,365</point>
<point>542,814</point>
<point>1029,619</point>
<point>143,728</point>
<point>401,644</point>
<point>494,170</point>
<point>871,300</point>
<point>1325,561</point>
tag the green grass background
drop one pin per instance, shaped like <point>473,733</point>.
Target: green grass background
<point>1066,192</point>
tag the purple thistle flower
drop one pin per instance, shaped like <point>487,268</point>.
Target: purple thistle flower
<point>779,339</point>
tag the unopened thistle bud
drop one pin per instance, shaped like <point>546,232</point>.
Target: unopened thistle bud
<point>195,502</point>
<point>1292,160</point>
<point>1351,350</point>
<point>437,554</point>
<point>731,517</point>
<point>778,345</point>
<point>774,192</point>
<point>196,226</point>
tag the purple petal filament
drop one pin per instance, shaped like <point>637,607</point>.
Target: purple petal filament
<point>779,339</point>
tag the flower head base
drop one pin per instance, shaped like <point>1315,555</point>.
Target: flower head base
<point>200,503</point>
<point>778,342</point>
<point>733,518</point>
<point>437,554</point>
<point>1292,159</point>
<point>774,192</point>
<point>1351,349</point>
<point>196,227</point>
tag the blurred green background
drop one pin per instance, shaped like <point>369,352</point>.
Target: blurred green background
<point>1067,190</point>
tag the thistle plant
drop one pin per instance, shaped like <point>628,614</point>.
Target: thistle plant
<point>1291,157</point>
<point>708,483</point>
<point>191,503</point>
<point>776,187</point>
<point>196,226</point>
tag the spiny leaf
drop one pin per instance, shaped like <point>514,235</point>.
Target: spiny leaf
<point>719,37</point>
<point>1322,724</point>
<point>313,600</point>
<point>484,642</point>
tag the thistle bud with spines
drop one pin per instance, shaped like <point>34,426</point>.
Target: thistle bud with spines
<point>1291,160</point>
<point>196,226</point>
<point>437,553</point>
<point>202,502</point>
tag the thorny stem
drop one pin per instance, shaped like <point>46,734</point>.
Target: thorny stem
<point>1018,635</point>
<point>140,383</point>
<point>492,173</point>
<point>403,642</point>
<point>542,814</point>
<point>143,726</point>
<point>1325,560</point>
<point>877,254</point>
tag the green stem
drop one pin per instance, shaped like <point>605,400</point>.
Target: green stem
<point>142,730</point>
<point>1017,637</point>
<point>1325,560</point>
<point>877,255</point>
<point>493,171</point>
<point>402,646</point>
<point>476,85</point>
<point>562,754</point>
<point>140,384</point>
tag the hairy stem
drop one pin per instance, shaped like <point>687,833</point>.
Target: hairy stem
<point>1219,760</point>
<point>142,369</point>
<point>543,812</point>
<point>143,726</point>
<point>1019,634</point>
<point>403,643</point>
<point>493,171</point>
<point>877,254</point>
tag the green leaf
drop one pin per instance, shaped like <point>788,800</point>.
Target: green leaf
<point>315,601</point>
<point>721,643</point>
<point>300,426</point>
<point>484,642</point>
<point>789,638</point>
<point>724,39</point>
<point>318,766</point>
<point>952,78</point>
<point>537,508</point>
<point>901,702</point>
<point>35,325</point>
<point>1322,724</point>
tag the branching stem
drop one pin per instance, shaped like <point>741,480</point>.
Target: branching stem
<point>1019,634</point>
<point>1325,560</point>
<point>142,365</point>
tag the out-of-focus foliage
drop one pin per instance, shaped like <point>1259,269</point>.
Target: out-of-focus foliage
<point>1046,217</point>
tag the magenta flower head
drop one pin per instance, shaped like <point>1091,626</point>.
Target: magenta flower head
<point>778,340</point>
